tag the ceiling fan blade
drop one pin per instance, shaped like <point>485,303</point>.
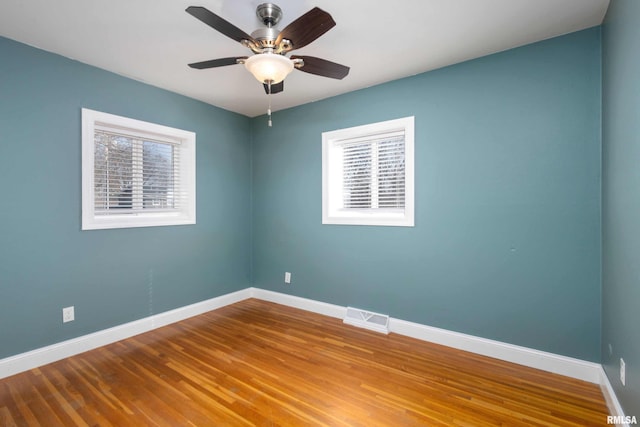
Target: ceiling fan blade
<point>307,28</point>
<point>221,62</point>
<point>219,24</point>
<point>322,67</point>
<point>276,88</point>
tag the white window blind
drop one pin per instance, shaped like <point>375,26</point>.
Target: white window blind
<point>133,175</point>
<point>374,172</point>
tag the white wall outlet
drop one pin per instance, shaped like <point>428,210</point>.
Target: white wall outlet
<point>623,373</point>
<point>287,277</point>
<point>68,314</point>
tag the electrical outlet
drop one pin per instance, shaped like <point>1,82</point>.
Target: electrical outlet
<point>287,277</point>
<point>610,350</point>
<point>68,314</point>
<point>623,374</point>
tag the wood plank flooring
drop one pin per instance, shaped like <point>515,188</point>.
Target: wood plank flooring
<point>259,363</point>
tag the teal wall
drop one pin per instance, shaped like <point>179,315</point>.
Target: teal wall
<point>621,199</point>
<point>507,238</point>
<point>110,276</point>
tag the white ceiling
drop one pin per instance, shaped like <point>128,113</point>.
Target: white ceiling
<point>154,40</point>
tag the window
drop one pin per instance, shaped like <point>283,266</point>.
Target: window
<point>367,174</point>
<point>135,174</point>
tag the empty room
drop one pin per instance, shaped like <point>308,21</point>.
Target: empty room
<point>319,213</point>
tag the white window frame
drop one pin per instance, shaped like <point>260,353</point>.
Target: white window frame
<point>185,140</point>
<point>333,211</point>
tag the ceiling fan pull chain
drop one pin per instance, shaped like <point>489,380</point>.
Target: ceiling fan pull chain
<point>269,109</point>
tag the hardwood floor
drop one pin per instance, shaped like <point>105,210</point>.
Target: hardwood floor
<point>259,363</point>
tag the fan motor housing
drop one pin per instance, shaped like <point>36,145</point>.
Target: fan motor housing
<point>266,36</point>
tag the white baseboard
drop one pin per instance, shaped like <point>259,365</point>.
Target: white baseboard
<point>35,358</point>
<point>610,397</point>
<point>550,362</point>
<point>313,306</point>
<point>568,366</point>
<point>575,368</point>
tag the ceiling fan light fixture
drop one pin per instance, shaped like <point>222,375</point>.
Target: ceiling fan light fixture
<point>269,67</point>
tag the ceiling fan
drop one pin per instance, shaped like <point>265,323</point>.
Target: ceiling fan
<point>269,64</point>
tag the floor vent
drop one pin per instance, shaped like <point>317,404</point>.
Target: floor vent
<point>368,320</point>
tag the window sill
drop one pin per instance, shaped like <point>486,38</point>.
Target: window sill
<point>138,220</point>
<point>377,219</point>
